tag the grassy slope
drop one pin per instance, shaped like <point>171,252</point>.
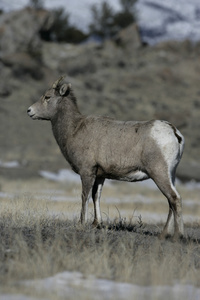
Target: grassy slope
<point>37,242</point>
<point>160,82</point>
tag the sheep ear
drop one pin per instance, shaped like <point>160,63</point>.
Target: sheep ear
<point>65,89</point>
<point>56,83</point>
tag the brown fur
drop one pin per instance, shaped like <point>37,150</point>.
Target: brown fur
<point>100,147</point>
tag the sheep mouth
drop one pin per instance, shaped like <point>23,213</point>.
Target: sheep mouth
<point>35,117</point>
<point>32,116</point>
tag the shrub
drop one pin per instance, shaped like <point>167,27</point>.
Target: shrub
<point>61,30</point>
<point>106,23</point>
<point>102,17</point>
<point>123,19</point>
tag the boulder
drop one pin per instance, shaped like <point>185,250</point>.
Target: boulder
<point>129,37</point>
<point>23,64</point>
<point>19,31</point>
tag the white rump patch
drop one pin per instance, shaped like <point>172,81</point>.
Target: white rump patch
<point>164,136</point>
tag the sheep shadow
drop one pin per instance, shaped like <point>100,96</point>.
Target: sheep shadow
<point>191,236</point>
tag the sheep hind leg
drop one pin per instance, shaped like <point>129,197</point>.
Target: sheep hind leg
<point>168,229</point>
<point>174,224</point>
<point>96,194</point>
<point>175,208</point>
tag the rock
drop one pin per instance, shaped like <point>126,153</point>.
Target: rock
<point>5,87</point>
<point>19,31</point>
<point>23,64</point>
<point>129,37</point>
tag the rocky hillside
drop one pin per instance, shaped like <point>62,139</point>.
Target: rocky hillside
<point>120,78</point>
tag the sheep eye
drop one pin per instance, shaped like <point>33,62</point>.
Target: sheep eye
<point>47,98</point>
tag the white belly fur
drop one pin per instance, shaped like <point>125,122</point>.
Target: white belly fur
<point>135,176</point>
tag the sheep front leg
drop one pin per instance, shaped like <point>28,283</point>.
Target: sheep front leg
<point>96,194</point>
<point>87,184</point>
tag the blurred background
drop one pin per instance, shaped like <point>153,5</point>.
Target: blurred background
<point>129,59</point>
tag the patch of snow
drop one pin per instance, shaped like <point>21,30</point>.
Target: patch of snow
<point>17,297</point>
<point>168,20</point>
<point>55,198</point>
<point>192,184</point>
<point>10,164</point>
<point>5,195</point>
<point>75,283</point>
<point>62,175</point>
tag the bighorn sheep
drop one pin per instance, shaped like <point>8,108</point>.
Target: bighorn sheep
<point>100,147</point>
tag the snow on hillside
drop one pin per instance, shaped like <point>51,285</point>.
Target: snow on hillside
<point>169,20</point>
<point>158,20</point>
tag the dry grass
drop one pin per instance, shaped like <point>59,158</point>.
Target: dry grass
<point>41,237</point>
<point>132,199</point>
<point>35,244</point>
